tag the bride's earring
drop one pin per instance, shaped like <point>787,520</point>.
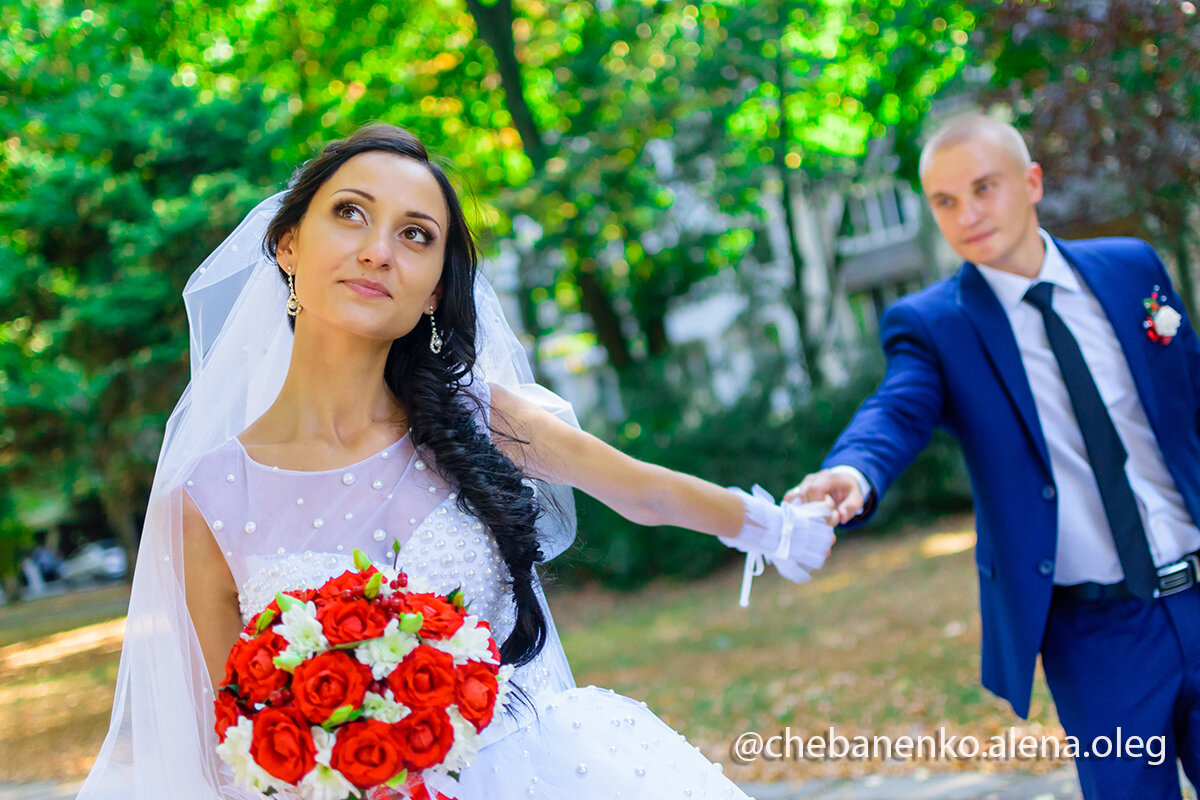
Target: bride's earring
<point>293,303</point>
<point>435,338</point>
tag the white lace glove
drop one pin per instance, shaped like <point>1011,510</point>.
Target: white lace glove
<point>795,537</point>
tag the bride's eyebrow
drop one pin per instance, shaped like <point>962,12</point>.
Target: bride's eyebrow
<point>371,197</point>
<point>359,192</point>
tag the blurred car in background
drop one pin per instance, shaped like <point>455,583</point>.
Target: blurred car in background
<point>94,562</point>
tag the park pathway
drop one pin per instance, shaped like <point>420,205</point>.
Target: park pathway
<point>1059,785</point>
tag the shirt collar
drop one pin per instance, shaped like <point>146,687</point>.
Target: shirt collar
<point>1010,289</point>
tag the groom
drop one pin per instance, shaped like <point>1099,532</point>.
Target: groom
<point>1077,405</point>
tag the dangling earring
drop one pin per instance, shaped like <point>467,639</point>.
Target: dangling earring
<point>293,303</point>
<point>435,338</point>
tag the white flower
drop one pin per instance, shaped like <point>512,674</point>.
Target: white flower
<point>235,751</point>
<point>469,642</point>
<point>304,634</point>
<point>1166,321</point>
<point>383,653</point>
<point>418,584</point>
<point>389,575</point>
<point>326,783</point>
<point>323,741</point>
<point>504,690</point>
<point>466,744</point>
<point>323,782</point>
<point>383,708</point>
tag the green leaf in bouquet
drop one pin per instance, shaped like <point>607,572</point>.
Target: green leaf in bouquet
<point>361,561</point>
<point>287,661</point>
<point>286,602</point>
<point>341,715</point>
<point>371,590</point>
<point>400,778</point>
<point>457,600</point>
<point>396,550</point>
<point>411,623</point>
<point>264,620</point>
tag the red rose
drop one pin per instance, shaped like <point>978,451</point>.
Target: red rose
<point>425,678</point>
<point>251,628</point>
<point>326,682</point>
<point>367,752</point>
<point>282,744</point>
<point>351,621</point>
<point>254,669</point>
<point>352,581</point>
<point>477,689</point>
<point>227,712</point>
<point>419,791</point>
<point>442,619</point>
<point>425,737</point>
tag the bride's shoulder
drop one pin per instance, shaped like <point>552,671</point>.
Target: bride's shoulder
<point>216,464</point>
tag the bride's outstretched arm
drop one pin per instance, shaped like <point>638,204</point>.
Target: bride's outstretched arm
<point>641,492</point>
<point>210,590</point>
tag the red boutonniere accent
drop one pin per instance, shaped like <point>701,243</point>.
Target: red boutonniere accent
<point>1162,321</point>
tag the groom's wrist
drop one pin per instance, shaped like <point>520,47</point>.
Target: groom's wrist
<point>864,485</point>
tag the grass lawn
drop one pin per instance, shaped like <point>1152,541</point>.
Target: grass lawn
<point>885,641</point>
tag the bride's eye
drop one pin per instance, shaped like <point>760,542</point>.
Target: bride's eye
<point>347,210</point>
<point>415,233</point>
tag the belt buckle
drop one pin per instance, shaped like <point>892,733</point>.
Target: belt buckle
<point>1178,577</point>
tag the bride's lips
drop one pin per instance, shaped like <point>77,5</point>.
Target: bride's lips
<point>368,288</point>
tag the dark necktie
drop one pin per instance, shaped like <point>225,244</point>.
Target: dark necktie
<point>1104,448</point>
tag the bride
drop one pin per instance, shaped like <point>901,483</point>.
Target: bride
<point>354,385</point>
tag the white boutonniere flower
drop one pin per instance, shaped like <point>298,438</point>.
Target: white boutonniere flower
<point>1162,322</point>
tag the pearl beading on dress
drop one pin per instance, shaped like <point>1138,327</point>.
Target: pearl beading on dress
<point>448,550</point>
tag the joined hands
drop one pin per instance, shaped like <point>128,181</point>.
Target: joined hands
<point>795,537</point>
<point>837,485</point>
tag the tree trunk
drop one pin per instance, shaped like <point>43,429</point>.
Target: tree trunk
<point>11,582</point>
<point>121,518</point>
<point>597,304</point>
<point>1187,283</point>
<point>494,24</point>
<point>656,335</point>
<point>809,345</point>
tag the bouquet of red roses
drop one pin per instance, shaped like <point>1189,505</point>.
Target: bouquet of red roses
<point>353,689</point>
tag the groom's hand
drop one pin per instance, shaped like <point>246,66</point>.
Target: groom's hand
<point>839,486</point>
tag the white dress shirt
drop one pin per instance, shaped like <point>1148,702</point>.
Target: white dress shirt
<point>1085,545</point>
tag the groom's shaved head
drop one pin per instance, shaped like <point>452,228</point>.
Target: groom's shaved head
<point>975,126</point>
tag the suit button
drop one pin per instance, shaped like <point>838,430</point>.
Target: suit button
<point>1048,492</point>
<point>1046,567</point>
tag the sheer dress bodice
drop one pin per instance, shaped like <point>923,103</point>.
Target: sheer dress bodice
<point>284,529</point>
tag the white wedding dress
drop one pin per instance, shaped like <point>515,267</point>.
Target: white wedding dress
<point>283,529</point>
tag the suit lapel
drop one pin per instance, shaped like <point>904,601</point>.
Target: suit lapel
<point>984,311</point>
<point>1125,314</point>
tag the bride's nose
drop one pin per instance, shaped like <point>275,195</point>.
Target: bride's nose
<point>375,251</point>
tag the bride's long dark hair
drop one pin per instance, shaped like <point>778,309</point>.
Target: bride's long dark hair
<point>443,417</point>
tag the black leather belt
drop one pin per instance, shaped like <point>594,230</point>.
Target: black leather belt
<point>1173,578</point>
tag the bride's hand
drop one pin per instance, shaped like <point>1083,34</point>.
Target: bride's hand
<point>795,537</point>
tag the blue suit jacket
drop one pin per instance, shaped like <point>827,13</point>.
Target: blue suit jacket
<point>952,360</point>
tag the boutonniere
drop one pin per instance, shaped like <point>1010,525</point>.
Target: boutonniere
<point>1162,321</point>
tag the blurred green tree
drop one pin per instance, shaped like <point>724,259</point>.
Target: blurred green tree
<point>1108,97</point>
<point>117,181</point>
<point>623,151</point>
